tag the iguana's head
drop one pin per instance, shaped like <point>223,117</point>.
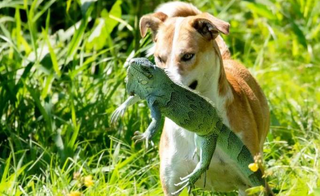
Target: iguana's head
<point>144,77</point>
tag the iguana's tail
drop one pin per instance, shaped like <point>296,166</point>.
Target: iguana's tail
<point>234,147</point>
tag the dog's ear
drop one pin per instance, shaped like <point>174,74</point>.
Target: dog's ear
<point>151,21</point>
<point>210,26</point>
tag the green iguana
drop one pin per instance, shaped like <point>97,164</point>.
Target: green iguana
<point>190,111</point>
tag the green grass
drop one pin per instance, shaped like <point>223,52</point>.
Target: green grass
<point>62,75</point>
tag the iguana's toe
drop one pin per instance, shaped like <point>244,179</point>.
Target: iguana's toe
<point>184,185</point>
<point>187,181</point>
<point>138,137</point>
<point>186,177</point>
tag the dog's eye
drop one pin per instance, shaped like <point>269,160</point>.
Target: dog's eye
<point>187,57</point>
<point>160,59</point>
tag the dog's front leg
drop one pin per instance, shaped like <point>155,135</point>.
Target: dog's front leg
<point>176,156</point>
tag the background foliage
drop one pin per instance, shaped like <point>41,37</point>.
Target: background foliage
<point>62,75</point>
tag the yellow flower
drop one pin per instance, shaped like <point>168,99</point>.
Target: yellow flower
<point>88,182</point>
<point>253,167</point>
<point>74,193</point>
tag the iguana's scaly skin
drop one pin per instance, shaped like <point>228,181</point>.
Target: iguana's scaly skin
<point>190,111</point>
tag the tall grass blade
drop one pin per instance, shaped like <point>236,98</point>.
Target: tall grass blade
<point>76,39</point>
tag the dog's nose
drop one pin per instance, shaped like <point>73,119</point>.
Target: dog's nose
<point>193,85</point>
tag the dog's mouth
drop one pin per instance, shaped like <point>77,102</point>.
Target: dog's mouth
<point>193,85</point>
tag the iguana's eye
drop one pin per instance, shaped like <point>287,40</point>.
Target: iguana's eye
<point>146,72</point>
<point>187,57</point>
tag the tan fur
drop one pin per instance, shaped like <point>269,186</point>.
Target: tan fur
<point>224,51</point>
<point>236,94</point>
<point>178,9</point>
<point>151,21</point>
<point>250,101</point>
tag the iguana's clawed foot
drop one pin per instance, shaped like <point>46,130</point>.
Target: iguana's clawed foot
<point>122,108</point>
<point>188,181</point>
<point>185,183</point>
<point>139,137</point>
<point>117,113</point>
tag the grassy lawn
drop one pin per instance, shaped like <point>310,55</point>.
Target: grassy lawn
<point>62,75</point>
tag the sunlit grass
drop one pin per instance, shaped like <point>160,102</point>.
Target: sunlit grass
<point>62,75</point>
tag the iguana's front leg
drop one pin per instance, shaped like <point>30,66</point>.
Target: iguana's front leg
<point>206,146</point>
<point>122,108</point>
<point>153,127</point>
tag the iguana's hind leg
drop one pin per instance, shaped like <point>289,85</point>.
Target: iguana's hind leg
<point>206,146</point>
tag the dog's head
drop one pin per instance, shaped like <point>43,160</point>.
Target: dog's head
<point>186,46</point>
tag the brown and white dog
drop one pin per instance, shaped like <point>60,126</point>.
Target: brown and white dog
<point>188,45</point>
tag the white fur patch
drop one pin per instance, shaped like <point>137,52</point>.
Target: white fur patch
<point>175,41</point>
